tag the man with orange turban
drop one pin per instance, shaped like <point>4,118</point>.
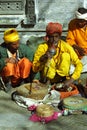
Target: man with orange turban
<point>15,60</point>
<point>54,57</point>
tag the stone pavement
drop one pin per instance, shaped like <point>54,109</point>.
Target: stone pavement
<point>14,117</point>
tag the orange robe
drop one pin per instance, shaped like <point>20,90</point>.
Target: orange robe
<point>18,71</point>
<point>77,35</point>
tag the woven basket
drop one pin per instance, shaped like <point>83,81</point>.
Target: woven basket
<point>75,103</point>
<point>44,110</point>
<point>38,91</point>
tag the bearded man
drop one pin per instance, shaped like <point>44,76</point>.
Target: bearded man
<point>15,60</point>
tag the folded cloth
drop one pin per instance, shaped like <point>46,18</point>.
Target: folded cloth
<point>81,16</point>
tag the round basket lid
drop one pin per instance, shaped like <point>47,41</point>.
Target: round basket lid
<point>38,90</point>
<point>44,110</point>
<point>75,103</point>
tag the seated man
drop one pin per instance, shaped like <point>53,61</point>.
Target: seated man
<point>77,35</point>
<point>54,57</point>
<point>15,60</point>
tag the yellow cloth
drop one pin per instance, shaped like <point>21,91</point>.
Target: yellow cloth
<point>64,57</point>
<point>77,35</point>
<point>11,35</point>
<point>49,68</point>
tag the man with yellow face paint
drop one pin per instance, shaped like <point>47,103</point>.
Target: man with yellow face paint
<point>54,57</point>
<point>15,59</point>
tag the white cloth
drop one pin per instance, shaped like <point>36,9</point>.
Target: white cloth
<point>52,99</point>
<point>16,55</point>
<point>84,62</point>
<point>81,16</point>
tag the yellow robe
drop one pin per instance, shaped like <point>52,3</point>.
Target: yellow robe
<point>60,63</point>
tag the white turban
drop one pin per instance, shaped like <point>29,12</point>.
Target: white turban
<point>81,16</point>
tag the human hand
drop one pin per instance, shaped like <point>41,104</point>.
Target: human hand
<point>67,83</point>
<point>11,60</point>
<point>79,50</point>
<point>44,58</point>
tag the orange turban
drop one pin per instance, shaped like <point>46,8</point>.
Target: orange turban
<point>53,28</point>
<point>11,35</point>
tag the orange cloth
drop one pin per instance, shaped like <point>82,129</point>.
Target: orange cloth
<point>77,35</point>
<point>53,28</point>
<point>71,93</point>
<point>64,94</point>
<point>17,71</point>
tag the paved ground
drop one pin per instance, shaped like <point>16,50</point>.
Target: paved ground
<point>14,117</point>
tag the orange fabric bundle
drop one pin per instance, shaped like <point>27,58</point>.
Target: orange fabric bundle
<point>74,91</point>
<point>64,94</point>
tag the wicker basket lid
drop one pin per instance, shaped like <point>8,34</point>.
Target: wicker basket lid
<point>75,103</point>
<point>44,110</point>
<point>38,91</point>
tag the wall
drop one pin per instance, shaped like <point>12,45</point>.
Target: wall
<point>30,17</point>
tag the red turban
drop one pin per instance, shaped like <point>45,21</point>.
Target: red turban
<point>53,28</point>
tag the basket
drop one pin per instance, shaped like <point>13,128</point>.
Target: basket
<point>44,110</point>
<point>38,91</point>
<point>64,94</point>
<point>75,103</point>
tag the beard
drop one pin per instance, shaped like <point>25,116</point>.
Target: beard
<point>12,50</point>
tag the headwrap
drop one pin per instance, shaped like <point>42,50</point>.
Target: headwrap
<point>81,16</point>
<point>11,35</point>
<point>53,28</point>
